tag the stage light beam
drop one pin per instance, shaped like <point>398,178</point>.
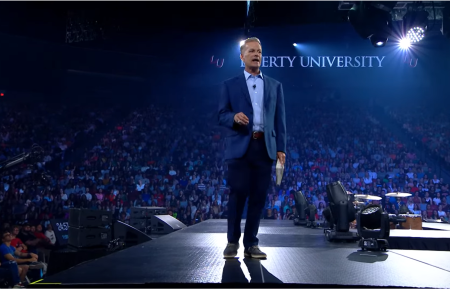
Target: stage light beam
<point>241,43</point>
<point>295,44</point>
<point>404,43</point>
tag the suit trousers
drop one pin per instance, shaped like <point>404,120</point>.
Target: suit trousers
<point>248,177</point>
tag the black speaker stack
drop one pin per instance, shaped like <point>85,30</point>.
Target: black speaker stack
<point>141,217</point>
<point>89,228</point>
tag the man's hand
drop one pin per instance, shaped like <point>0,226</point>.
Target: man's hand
<point>32,259</point>
<point>281,156</point>
<point>241,118</point>
<point>32,255</point>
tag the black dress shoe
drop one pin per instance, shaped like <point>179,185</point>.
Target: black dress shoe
<point>231,250</point>
<point>255,252</point>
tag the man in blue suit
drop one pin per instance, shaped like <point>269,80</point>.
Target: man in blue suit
<point>251,107</point>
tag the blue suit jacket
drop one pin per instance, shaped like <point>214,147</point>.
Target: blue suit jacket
<point>235,98</point>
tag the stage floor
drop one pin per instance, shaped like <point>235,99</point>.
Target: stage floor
<point>296,255</point>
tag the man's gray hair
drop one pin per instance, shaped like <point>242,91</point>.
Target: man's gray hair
<point>251,39</point>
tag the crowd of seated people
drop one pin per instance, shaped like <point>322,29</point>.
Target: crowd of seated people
<point>150,159</point>
<point>153,159</point>
<point>429,128</point>
<point>354,148</point>
<point>55,129</point>
<point>156,157</point>
<point>22,248</point>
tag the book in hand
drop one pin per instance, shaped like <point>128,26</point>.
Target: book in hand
<point>279,172</point>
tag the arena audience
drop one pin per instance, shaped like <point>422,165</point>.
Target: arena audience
<point>428,127</point>
<point>162,157</point>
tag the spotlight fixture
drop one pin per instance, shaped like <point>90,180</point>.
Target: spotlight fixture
<point>373,227</point>
<point>339,214</point>
<point>415,25</point>
<point>370,217</point>
<point>372,20</point>
<point>295,44</point>
<point>311,212</point>
<point>415,34</point>
<point>300,206</point>
<point>378,41</point>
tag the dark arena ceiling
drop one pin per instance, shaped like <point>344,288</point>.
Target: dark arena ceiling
<point>47,20</point>
<point>127,23</point>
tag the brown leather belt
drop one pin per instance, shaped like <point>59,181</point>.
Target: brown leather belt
<point>257,135</point>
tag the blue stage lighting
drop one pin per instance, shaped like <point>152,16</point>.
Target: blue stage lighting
<point>405,43</point>
<point>295,44</point>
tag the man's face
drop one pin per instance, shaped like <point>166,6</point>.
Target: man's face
<point>27,228</point>
<point>6,237</point>
<point>251,55</point>
<point>15,231</point>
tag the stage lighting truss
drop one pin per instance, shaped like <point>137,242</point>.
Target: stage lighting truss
<point>367,19</point>
<point>402,7</point>
<point>372,20</point>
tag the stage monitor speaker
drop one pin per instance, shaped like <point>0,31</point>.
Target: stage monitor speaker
<point>165,224</point>
<point>84,218</point>
<point>89,237</point>
<point>147,212</point>
<point>130,235</point>
<point>140,224</point>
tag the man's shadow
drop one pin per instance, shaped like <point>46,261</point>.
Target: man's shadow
<point>232,272</point>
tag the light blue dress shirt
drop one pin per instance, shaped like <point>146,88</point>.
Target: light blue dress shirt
<point>255,85</point>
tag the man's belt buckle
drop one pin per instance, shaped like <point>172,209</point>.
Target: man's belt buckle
<point>254,135</point>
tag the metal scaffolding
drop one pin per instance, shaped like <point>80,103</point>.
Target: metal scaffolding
<point>434,8</point>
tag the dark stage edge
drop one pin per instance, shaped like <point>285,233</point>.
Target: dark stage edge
<point>297,256</point>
